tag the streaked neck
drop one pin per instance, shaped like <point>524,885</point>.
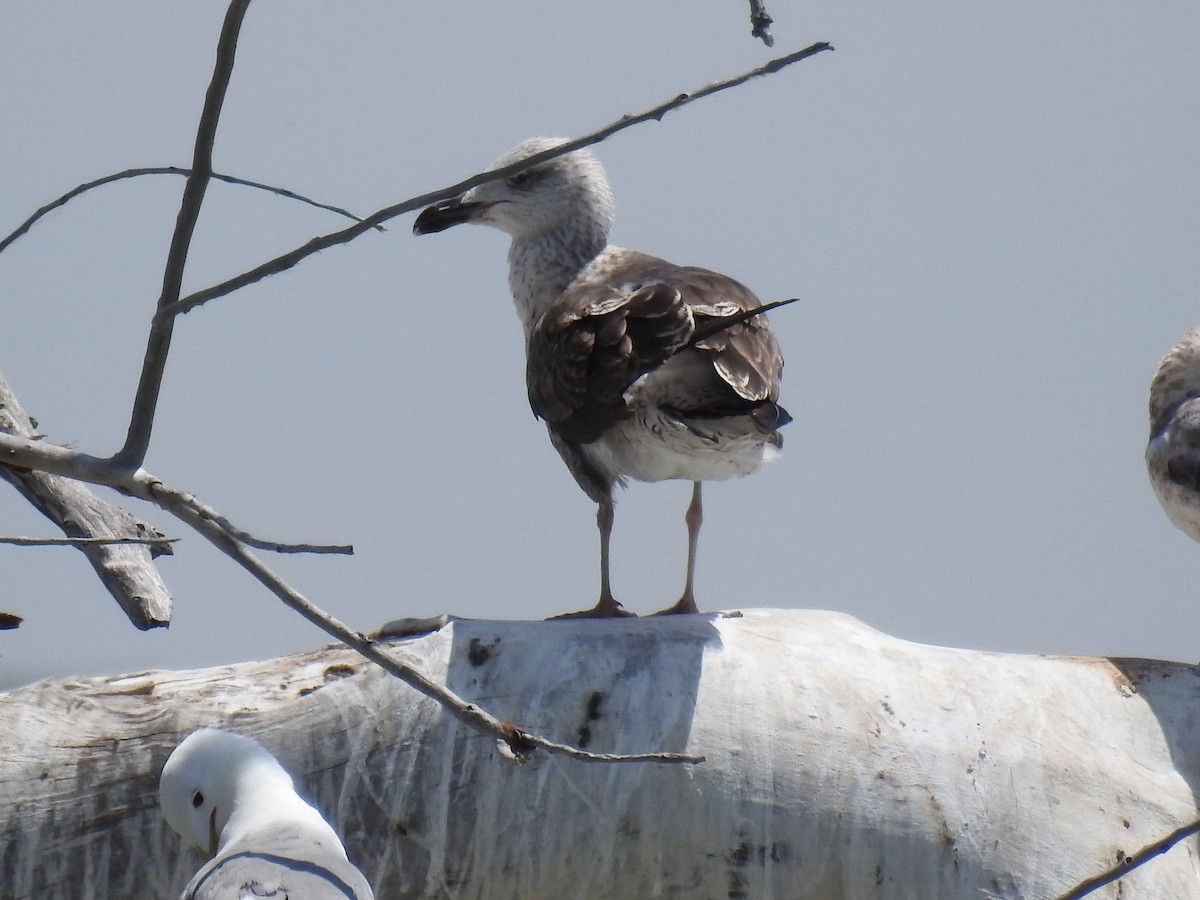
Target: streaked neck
<point>541,267</point>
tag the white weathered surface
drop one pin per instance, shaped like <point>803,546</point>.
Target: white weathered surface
<point>841,763</point>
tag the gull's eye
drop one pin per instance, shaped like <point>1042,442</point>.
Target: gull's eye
<point>197,800</point>
<point>519,179</point>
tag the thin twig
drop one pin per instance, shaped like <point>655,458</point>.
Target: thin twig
<point>189,509</point>
<point>70,195</point>
<point>277,547</point>
<point>287,260</point>
<point>145,402</point>
<point>18,541</point>
<point>760,22</point>
<point>250,540</point>
<point>1129,863</point>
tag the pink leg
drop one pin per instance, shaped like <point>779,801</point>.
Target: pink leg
<point>694,517</point>
<point>607,606</point>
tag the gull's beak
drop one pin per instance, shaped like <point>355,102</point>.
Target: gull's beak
<point>213,837</point>
<point>446,214</point>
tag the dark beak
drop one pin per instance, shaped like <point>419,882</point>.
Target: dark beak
<point>446,214</point>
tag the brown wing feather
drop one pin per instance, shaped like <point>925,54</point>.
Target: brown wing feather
<point>746,356</point>
<point>600,336</point>
<point>591,344</point>
<point>1183,465</point>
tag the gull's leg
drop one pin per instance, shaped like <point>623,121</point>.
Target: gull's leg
<point>604,521</point>
<point>693,517</point>
<point>607,606</point>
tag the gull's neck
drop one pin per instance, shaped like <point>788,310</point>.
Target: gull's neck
<point>266,796</point>
<point>542,265</point>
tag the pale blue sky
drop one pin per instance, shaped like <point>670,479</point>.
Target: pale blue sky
<point>990,209</point>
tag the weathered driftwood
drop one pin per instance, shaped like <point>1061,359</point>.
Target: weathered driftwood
<point>841,763</point>
<point>126,570</point>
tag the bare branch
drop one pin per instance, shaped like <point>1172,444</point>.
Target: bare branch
<point>287,260</point>
<point>145,402</point>
<point>128,572</point>
<point>1129,863</point>
<point>18,541</point>
<point>70,195</point>
<point>760,22</point>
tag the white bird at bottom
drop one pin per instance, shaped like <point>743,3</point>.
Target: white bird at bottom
<point>226,795</point>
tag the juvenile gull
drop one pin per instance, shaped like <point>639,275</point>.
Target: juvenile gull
<point>225,794</point>
<point>1173,454</point>
<point>640,368</point>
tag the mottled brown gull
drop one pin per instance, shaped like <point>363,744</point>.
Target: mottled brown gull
<point>226,795</point>
<point>640,368</point>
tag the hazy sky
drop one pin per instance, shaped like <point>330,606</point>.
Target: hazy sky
<point>992,211</point>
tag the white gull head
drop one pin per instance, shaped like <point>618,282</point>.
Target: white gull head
<point>568,194</point>
<point>218,786</point>
<point>559,214</point>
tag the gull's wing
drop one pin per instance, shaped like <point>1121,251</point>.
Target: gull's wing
<point>639,317</point>
<point>591,344</point>
<point>1179,445</point>
<point>284,865</point>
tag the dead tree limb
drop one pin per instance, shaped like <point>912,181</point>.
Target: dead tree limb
<point>127,571</point>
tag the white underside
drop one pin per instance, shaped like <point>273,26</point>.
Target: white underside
<point>653,446</point>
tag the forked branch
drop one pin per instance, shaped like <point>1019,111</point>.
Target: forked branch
<point>137,440</point>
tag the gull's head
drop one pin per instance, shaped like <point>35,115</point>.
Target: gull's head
<point>561,196</point>
<point>1177,379</point>
<point>199,784</point>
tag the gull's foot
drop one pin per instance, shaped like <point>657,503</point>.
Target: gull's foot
<point>686,606</point>
<point>605,608</point>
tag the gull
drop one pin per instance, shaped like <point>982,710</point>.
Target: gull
<point>640,368</point>
<point>226,795</point>
<point>1173,454</point>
